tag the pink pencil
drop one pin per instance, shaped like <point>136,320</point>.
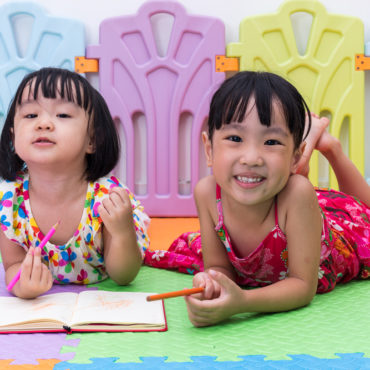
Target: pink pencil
<point>43,242</point>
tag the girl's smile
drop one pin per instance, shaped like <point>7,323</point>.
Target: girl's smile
<point>249,181</point>
<point>250,161</point>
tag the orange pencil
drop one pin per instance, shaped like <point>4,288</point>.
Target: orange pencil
<point>177,293</point>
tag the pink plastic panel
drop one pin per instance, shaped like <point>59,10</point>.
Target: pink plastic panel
<point>166,92</point>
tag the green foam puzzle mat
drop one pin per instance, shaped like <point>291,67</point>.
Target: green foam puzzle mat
<point>335,322</point>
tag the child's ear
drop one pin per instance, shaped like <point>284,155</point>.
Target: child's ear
<point>90,146</point>
<point>297,156</point>
<point>207,148</point>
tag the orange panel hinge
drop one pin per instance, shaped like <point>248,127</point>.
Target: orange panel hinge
<point>83,65</point>
<point>224,64</point>
<point>362,62</point>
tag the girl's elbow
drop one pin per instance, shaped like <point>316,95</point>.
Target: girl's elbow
<point>307,300</point>
<point>123,280</point>
<point>126,275</point>
<point>310,294</point>
<point>306,291</point>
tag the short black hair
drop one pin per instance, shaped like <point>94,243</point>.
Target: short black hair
<point>230,101</point>
<point>57,82</point>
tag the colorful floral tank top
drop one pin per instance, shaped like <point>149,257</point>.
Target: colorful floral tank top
<point>81,259</point>
<point>345,245</point>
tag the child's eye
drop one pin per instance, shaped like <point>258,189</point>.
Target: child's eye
<point>63,115</point>
<point>30,115</point>
<point>272,142</point>
<point>235,138</point>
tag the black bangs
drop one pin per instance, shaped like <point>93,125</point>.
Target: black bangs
<point>239,96</point>
<point>60,83</point>
<point>230,102</point>
<point>53,83</point>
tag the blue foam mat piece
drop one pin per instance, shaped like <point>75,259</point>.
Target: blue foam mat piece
<point>343,362</point>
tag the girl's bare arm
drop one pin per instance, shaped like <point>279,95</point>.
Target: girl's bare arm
<point>296,290</point>
<point>122,254</point>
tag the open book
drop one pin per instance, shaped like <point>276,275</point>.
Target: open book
<point>91,310</point>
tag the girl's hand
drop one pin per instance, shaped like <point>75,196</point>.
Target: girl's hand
<point>211,287</point>
<point>116,212</point>
<point>229,301</point>
<point>122,255</point>
<point>35,278</point>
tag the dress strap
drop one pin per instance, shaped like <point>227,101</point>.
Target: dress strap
<point>218,192</point>
<point>219,208</point>
<point>276,211</point>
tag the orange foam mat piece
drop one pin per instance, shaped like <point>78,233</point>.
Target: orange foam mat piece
<point>163,231</point>
<point>43,365</point>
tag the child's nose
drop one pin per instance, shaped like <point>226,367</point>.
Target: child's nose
<point>251,156</point>
<point>45,123</point>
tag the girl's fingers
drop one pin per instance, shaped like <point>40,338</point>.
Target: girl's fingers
<point>37,266</point>
<point>199,313</point>
<point>209,289</point>
<point>124,197</point>
<point>106,207</point>
<point>115,199</point>
<point>201,307</point>
<point>212,288</point>
<point>46,277</point>
<point>27,264</point>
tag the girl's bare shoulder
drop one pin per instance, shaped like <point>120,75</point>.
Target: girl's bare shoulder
<point>298,194</point>
<point>205,197</point>
<point>205,188</point>
<point>297,187</point>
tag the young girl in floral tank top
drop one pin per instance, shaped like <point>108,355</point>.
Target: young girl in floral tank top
<point>58,146</point>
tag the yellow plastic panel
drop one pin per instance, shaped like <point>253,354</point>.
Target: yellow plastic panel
<point>325,73</point>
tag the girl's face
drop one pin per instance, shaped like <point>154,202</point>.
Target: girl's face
<point>51,132</point>
<point>252,162</point>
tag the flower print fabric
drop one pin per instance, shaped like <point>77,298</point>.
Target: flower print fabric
<point>81,259</point>
<point>184,255</point>
<point>345,247</point>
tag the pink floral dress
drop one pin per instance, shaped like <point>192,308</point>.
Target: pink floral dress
<point>345,247</point>
<point>81,259</point>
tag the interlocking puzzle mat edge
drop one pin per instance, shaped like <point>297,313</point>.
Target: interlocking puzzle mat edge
<point>334,323</point>
<point>330,332</point>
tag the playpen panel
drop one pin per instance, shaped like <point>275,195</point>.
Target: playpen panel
<point>160,89</point>
<point>31,39</point>
<point>324,71</point>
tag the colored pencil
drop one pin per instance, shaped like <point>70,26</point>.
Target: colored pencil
<point>41,245</point>
<point>176,293</point>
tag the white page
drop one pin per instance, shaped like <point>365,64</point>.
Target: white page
<point>56,306</point>
<point>117,307</point>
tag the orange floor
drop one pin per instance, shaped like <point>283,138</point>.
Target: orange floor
<point>163,231</point>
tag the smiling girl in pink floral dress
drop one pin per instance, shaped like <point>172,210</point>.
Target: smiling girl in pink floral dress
<point>262,224</point>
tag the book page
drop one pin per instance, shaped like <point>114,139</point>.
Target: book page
<point>117,308</point>
<point>51,307</point>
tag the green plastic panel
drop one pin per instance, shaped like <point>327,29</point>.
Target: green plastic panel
<point>324,74</point>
